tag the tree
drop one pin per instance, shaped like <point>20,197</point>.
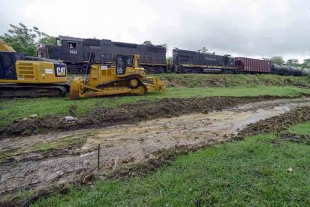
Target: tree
<point>292,62</point>
<point>148,43</point>
<point>24,40</point>
<point>306,62</point>
<point>47,40</point>
<point>277,60</point>
<point>203,50</point>
<point>169,60</point>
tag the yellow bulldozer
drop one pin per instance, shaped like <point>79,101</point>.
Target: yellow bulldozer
<point>123,77</point>
<point>26,76</point>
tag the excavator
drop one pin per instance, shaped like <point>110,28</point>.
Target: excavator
<point>123,77</point>
<point>26,76</point>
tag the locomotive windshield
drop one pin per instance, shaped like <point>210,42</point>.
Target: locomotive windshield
<point>58,42</point>
<point>72,45</point>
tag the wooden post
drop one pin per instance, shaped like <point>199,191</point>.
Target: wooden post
<point>98,163</point>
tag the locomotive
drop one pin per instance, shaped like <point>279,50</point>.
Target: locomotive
<point>74,52</point>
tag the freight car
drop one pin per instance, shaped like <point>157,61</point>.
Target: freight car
<point>185,61</point>
<point>289,70</point>
<point>75,52</point>
<point>249,65</point>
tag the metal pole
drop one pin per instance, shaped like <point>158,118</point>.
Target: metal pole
<point>98,156</point>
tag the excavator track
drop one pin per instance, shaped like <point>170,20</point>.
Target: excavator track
<point>31,91</point>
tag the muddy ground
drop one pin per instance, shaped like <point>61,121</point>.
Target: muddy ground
<point>124,114</point>
<point>51,160</point>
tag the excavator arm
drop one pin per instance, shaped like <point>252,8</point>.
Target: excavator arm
<point>5,47</point>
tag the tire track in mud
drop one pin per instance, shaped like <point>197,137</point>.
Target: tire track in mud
<point>151,143</point>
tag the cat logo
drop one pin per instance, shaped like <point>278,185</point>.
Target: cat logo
<point>61,71</point>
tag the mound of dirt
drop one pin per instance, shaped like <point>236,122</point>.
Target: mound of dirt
<point>127,113</point>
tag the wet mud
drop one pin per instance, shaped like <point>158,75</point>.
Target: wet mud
<point>125,114</point>
<point>50,161</point>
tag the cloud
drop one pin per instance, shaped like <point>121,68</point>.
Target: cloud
<point>250,28</point>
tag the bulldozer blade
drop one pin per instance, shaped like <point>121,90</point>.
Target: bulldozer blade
<point>155,84</point>
<point>75,87</point>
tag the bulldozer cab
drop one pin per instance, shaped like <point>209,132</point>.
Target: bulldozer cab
<point>7,65</point>
<point>124,61</point>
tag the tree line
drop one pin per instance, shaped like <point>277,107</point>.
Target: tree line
<point>291,62</point>
<point>25,40</point>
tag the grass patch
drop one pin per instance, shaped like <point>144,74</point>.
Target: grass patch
<point>20,108</point>
<point>216,80</point>
<point>6,155</point>
<point>252,172</point>
<point>301,129</point>
<point>63,143</point>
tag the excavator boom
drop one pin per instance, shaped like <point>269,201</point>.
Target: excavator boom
<point>5,47</point>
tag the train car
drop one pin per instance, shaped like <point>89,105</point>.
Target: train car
<point>186,61</point>
<point>75,51</point>
<point>249,65</point>
<point>289,70</point>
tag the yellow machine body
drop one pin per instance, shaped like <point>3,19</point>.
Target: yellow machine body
<point>23,76</point>
<point>37,72</point>
<point>5,47</point>
<point>125,77</point>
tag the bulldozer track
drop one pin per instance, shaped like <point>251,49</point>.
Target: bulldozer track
<point>119,81</point>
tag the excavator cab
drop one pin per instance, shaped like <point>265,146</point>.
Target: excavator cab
<point>7,65</point>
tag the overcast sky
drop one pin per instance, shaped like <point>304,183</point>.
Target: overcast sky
<point>252,28</point>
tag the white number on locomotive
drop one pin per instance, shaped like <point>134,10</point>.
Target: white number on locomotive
<point>73,52</point>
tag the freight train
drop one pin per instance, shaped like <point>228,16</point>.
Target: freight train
<point>75,52</point>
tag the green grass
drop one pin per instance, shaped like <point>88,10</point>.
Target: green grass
<point>21,108</point>
<point>302,129</point>
<point>63,143</point>
<point>252,172</point>
<point>73,141</point>
<point>216,80</point>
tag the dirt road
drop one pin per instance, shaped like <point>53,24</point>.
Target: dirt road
<point>26,167</point>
